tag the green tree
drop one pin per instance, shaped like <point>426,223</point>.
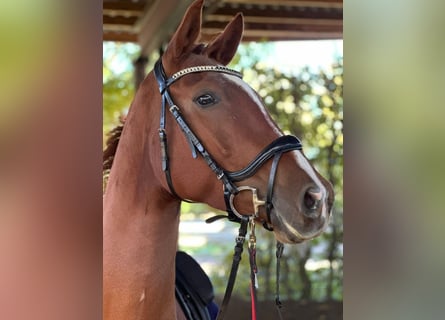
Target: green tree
<point>117,80</point>
<point>309,105</point>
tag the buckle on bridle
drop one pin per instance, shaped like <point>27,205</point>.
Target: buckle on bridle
<point>256,202</point>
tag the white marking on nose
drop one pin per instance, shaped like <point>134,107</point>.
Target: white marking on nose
<point>306,167</point>
<point>315,194</point>
<point>142,298</point>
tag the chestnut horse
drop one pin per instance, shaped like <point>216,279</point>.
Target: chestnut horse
<point>148,179</point>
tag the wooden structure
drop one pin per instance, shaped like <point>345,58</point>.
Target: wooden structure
<point>150,23</point>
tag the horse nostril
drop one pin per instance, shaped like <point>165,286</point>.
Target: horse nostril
<point>312,199</point>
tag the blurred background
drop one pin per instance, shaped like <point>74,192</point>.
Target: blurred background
<point>292,55</point>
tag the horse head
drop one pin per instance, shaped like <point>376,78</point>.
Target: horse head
<point>230,121</point>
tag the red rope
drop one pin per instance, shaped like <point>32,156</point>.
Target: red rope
<point>252,295</point>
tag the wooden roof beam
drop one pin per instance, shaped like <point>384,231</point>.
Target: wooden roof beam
<point>282,12</point>
<point>119,20</point>
<point>277,20</point>
<point>294,3</point>
<point>215,25</point>
<point>119,36</point>
<point>123,8</point>
<point>159,23</point>
<point>277,35</point>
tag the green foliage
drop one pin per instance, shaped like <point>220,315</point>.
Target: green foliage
<point>309,105</point>
<point>117,81</point>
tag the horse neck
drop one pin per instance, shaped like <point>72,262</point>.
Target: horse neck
<point>140,226</point>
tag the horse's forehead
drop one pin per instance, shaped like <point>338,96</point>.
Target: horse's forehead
<point>213,78</point>
<point>242,87</point>
<point>230,84</point>
<point>234,87</point>
<point>252,98</point>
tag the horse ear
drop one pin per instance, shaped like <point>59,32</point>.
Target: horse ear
<point>224,46</point>
<point>187,33</point>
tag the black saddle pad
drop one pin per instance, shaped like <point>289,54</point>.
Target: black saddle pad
<point>194,290</point>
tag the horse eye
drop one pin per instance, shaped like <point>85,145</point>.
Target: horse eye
<point>205,100</point>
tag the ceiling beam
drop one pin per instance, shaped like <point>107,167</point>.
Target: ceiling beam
<point>159,22</point>
<point>248,26</point>
<point>119,36</point>
<point>123,8</point>
<point>281,12</point>
<point>295,3</point>
<point>119,28</point>
<point>278,35</point>
<point>151,22</point>
<point>277,20</point>
<point>120,20</point>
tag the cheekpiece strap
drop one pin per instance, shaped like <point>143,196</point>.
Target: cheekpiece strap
<point>195,144</point>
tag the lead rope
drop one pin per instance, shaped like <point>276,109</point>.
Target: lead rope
<point>279,254</point>
<point>235,263</point>
<point>253,268</point>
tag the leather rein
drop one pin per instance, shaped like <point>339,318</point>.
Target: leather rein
<point>275,149</point>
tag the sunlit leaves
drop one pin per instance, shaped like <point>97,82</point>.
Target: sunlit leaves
<point>117,79</point>
<point>307,118</point>
<point>310,105</point>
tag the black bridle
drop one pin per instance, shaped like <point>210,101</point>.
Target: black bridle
<point>275,149</point>
<point>228,178</point>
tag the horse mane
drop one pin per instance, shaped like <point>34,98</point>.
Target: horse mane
<point>111,147</point>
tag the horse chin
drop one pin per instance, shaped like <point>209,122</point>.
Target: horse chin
<point>285,232</point>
